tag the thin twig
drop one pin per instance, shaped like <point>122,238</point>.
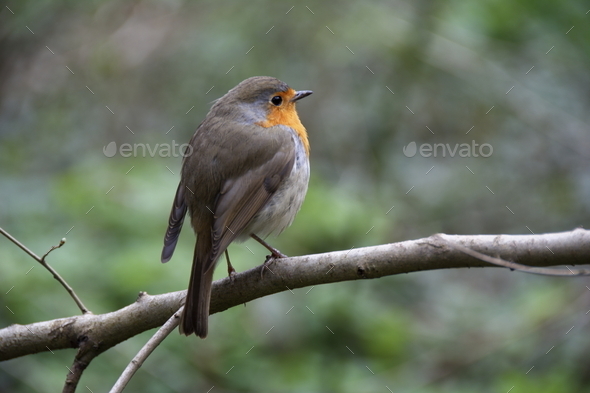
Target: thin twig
<point>517,266</point>
<point>147,349</point>
<point>19,244</point>
<point>61,243</point>
<point>55,274</point>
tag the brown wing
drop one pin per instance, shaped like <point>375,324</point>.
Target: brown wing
<point>241,198</point>
<point>175,222</point>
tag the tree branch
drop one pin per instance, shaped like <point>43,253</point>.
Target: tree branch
<point>83,357</point>
<point>55,274</point>
<point>517,266</point>
<point>101,332</point>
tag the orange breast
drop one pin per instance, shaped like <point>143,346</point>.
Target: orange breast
<point>286,115</point>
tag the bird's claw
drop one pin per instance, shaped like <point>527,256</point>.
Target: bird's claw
<point>270,259</point>
<point>232,275</point>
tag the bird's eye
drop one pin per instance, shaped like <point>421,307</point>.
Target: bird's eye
<point>276,100</point>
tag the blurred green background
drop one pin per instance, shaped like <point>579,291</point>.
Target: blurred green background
<point>76,76</point>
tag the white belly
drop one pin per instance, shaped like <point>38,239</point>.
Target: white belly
<point>281,209</point>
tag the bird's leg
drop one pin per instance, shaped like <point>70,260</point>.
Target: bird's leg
<point>231,272</point>
<point>275,254</point>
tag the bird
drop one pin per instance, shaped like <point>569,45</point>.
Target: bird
<point>245,173</point>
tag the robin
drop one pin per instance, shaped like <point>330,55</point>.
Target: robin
<point>244,174</point>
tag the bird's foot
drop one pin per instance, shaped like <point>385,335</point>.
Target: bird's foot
<point>274,255</point>
<point>270,259</point>
<point>232,275</point>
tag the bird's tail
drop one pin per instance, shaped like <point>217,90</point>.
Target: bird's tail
<point>196,309</point>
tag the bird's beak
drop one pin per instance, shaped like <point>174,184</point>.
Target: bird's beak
<point>300,94</point>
